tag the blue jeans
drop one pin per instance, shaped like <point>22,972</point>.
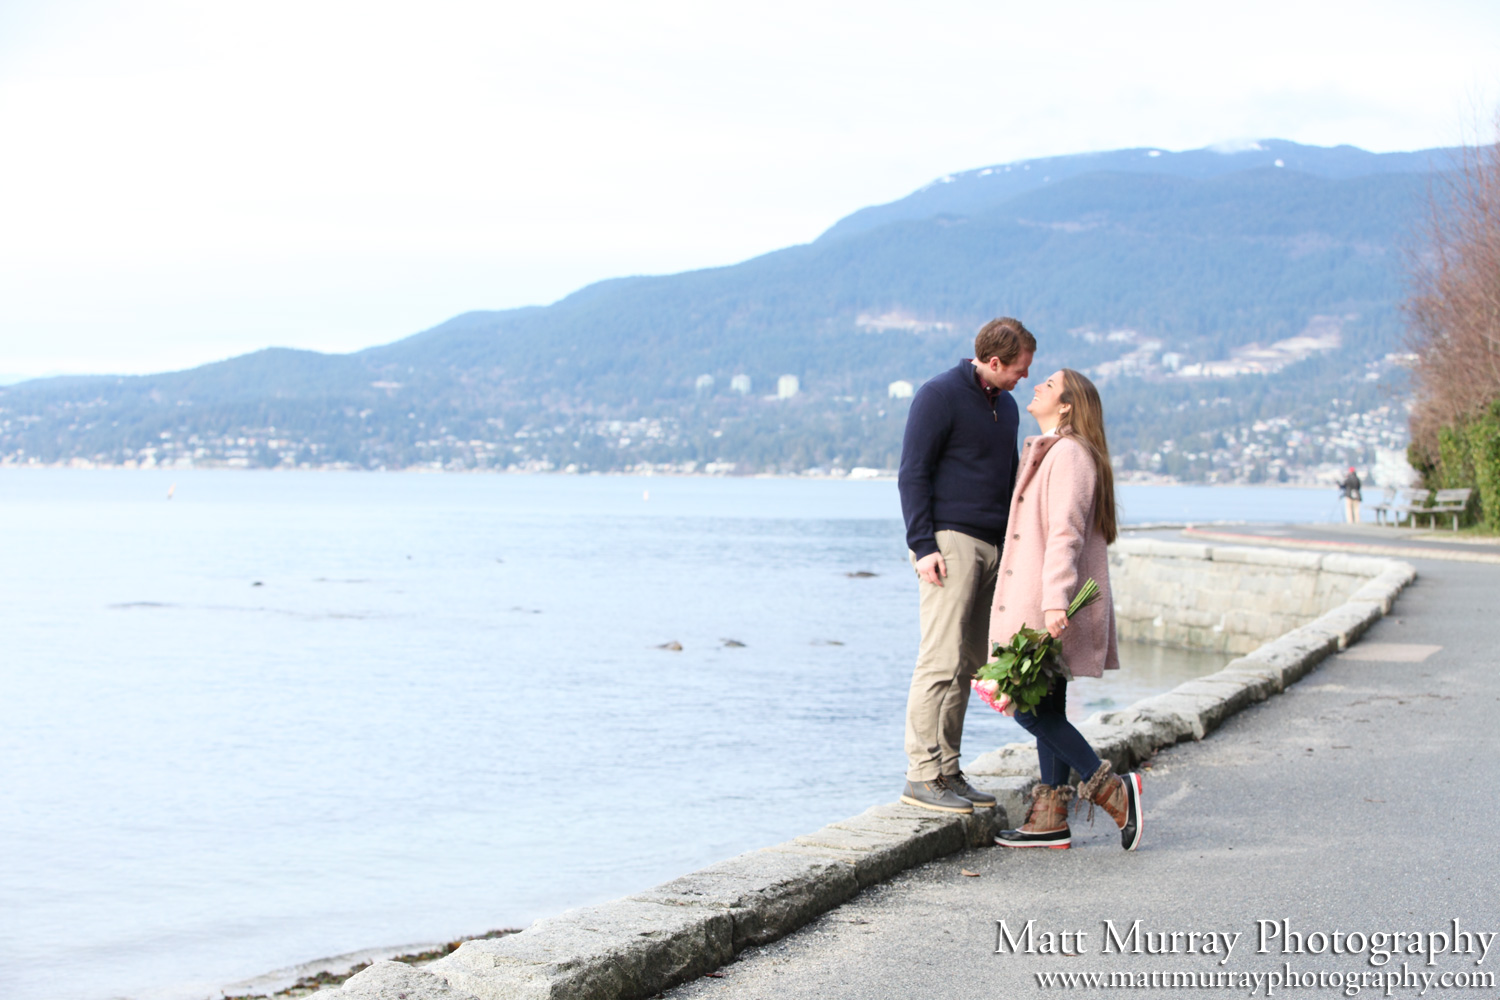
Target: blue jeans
<point>1059,746</point>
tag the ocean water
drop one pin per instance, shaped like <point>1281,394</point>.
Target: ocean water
<point>290,715</point>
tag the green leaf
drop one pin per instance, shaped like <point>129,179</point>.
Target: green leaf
<point>993,671</point>
<point>1029,696</point>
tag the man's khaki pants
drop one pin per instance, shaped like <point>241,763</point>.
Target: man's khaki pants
<point>955,643</point>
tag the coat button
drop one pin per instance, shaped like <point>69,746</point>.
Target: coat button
<point>1000,608</point>
<point>1019,499</point>
<point>1015,538</point>
<point>1010,572</point>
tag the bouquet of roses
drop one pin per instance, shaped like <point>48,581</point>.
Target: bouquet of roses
<point>1021,671</point>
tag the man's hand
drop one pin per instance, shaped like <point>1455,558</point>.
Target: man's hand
<point>932,569</point>
<point>1055,621</point>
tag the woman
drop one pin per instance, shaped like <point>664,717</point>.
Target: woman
<point>1062,516</point>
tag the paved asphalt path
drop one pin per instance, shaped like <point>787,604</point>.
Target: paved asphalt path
<point>1419,543</point>
<point>1365,799</point>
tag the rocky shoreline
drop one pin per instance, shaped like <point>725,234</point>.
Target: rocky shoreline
<point>323,979</point>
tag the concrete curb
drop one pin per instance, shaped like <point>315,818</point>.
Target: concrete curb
<point>638,946</point>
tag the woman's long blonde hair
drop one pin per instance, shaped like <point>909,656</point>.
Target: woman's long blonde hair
<point>1084,420</point>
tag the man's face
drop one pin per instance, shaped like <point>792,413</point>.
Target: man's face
<point>1005,376</point>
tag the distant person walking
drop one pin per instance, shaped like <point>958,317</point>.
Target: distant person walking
<point>958,467</point>
<point>1349,490</point>
<point>1062,518</point>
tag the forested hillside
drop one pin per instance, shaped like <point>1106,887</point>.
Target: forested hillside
<point>1144,272</point>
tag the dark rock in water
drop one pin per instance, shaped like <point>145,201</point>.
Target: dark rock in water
<point>826,642</point>
<point>861,574</point>
<point>257,583</point>
<point>674,646</point>
<point>732,644</point>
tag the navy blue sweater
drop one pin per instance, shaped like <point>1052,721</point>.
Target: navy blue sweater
<point>958,460</point>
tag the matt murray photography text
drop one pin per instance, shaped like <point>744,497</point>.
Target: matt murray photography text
<point>1268,937</point>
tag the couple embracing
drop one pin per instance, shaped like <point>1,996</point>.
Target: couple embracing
<point>1000,541</point>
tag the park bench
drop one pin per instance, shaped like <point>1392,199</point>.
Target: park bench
<point>1402,503</point>
<point>1387,502</point>
<point>1453,502</point>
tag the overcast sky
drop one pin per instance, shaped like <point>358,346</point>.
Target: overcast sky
<point>185,181</point>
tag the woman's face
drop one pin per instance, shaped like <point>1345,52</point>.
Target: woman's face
<point>1046,401</point>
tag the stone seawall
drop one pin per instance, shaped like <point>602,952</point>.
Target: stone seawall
<point>635,947</point>
<point>1226,600</point>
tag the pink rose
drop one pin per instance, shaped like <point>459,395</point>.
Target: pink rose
<point>989,693</point>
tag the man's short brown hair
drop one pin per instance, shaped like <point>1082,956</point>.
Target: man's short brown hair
<point>1004,338</point>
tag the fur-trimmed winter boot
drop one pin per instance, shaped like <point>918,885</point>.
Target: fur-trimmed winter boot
<point>1046,822</point>
<point>1120,796</point>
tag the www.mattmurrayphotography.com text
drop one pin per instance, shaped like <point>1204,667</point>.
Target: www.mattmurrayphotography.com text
<point>1374,947</point>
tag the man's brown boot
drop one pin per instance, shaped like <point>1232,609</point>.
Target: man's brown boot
<point>1120,796</point>
<point>1046,822</point>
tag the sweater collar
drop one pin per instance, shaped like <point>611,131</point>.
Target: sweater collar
<point>990,392</point>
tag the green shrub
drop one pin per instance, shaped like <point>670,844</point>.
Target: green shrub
<point>1426,468</point>
<point>1483,437</point>
<point>1455,463</point>
<point>1468,456</point>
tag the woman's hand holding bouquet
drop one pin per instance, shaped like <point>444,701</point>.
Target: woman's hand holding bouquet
<point>1021,671</point>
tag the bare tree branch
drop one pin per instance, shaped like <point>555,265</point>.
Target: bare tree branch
<point>1454,305</point>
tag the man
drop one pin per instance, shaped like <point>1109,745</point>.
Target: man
<point>958,469</point>
<point>1349,490</point>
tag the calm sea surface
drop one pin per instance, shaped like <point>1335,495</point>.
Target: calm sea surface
<point>289,715</point>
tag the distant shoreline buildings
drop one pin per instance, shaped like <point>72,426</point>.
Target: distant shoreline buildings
<point>1170,431</point>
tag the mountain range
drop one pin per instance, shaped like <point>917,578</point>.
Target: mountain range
<point>1164,273</point>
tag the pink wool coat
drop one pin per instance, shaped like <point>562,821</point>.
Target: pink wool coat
<point>1051,547</point>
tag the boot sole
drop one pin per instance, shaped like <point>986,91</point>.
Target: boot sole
<point>1054,844</point>
<point>1135,824</point>
<point>935,808</point>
